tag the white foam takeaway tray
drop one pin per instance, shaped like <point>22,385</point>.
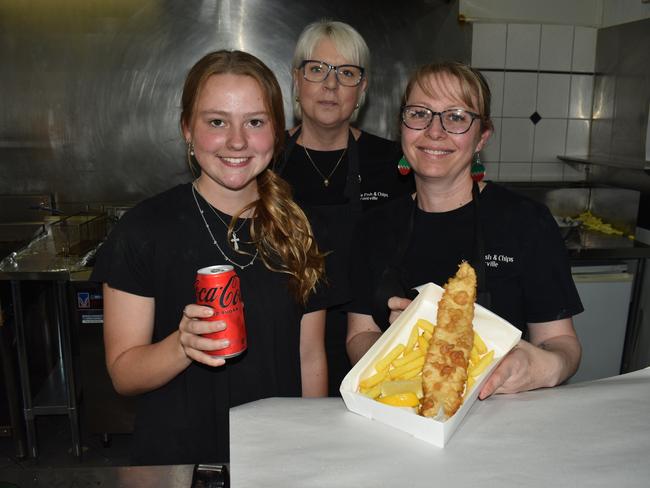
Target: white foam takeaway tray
<point>497,334</point>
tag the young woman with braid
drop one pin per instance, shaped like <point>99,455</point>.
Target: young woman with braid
<point>236,212</point>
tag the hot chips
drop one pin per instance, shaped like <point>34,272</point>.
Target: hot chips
<point>373,380</point>
<point>416,363</point>
<point>398,377</point>
<point>425,325</point>
<point>423,343</point>
<point>481,348</point>
<point>383,364</point>
<point>484,362</point>
<point>413,338</point>
<point>477,366</point>
<point>407,358</point>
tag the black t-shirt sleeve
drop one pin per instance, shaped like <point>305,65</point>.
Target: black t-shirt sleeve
<point>326,295</point>
<point>549,291</point>
<point>125,260</point>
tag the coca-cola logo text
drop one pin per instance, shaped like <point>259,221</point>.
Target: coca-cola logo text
<point>226,296</point>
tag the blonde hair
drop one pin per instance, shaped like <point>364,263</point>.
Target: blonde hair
<point>280,230</point>
<point>474,89</point>
<point>348,43</point>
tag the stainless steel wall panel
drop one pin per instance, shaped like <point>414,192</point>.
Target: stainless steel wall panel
<point>621,104</point>
<point>91,89</point>
<point>622,91</point>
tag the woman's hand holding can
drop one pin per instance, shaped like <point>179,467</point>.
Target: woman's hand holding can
<point>194,331</point>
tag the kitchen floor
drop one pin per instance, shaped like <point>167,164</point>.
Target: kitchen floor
<point>55,448</point>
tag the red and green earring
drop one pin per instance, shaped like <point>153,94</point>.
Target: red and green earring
<point>477,170</point>
<point>403,166</point>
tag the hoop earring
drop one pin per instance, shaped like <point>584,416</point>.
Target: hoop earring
<point>403,166</point>
<point>477,169</point>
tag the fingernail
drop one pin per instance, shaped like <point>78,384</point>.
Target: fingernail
<point>208,312</point>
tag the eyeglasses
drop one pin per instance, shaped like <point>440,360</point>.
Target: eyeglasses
<point>454,121</point>
<point>317,71</point>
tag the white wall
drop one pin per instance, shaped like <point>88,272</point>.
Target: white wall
<point>587,13</point>
<point>574,12</point>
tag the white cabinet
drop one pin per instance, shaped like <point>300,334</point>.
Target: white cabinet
<point>605,292</point>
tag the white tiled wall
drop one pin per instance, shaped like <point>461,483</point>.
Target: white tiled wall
<point>542,69</point>
<point>522,46</point>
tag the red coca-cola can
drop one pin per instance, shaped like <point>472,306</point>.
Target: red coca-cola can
<point>218,287</point>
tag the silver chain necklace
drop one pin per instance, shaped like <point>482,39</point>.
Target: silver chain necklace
<point>326,179</point>
<point>234,239</point>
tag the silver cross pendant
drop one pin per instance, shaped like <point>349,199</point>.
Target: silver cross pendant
<point>235,240</point>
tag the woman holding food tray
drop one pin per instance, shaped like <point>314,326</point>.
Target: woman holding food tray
<point>512,242</point>
<point>236,212</point>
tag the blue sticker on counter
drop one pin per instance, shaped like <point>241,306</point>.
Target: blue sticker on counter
<point>83,299</point>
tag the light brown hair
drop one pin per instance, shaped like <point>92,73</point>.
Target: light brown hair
<point>474,89</point>
<point>280,229</point>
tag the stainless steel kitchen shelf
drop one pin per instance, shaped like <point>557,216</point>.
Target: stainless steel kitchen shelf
<point>51,398</point>
<point>616,162</point>
<point>58,396</point>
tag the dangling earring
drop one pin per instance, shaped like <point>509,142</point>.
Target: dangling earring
<point>403,166</point>
<point>190,161</point>
<point>477,170</point>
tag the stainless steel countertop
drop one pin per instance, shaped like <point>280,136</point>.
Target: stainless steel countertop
<point>39,261</point>
<point>589,244</point>
<point>101,477</point>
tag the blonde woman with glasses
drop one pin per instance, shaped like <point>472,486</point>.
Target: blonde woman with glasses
<point>336,170</point>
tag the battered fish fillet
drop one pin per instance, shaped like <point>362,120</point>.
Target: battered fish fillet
<point>445,368</point>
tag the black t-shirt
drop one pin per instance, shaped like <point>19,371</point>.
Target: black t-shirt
<point>527,267</point>
<point>155,251</point>
<point>379,178</point>
<point>334,215</point>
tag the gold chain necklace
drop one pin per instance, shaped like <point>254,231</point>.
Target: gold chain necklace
<point>326,179</point>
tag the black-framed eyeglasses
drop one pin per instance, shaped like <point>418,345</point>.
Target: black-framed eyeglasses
<point>317,71</point>
<point>454,121</point>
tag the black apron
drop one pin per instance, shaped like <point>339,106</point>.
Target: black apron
<point>333,225</point>
<point>393,278</point>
